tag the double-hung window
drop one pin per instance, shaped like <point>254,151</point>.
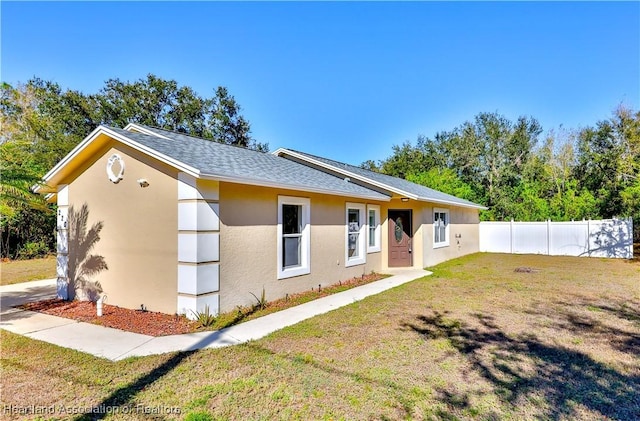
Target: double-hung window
<point>355,234</point>
<point>373,216</point>
<point>440,227</point>
<point>293,236</point>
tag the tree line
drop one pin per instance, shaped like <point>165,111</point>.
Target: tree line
<point>522,174</point>
<point>508,166</point>
<point>40,123</point>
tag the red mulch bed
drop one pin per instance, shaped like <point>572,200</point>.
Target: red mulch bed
<point>160,324</point>
<point>145,322</point>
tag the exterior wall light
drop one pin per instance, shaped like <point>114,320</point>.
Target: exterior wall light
<point>405,199</point>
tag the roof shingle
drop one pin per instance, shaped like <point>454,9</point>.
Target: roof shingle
<point>215,159</point>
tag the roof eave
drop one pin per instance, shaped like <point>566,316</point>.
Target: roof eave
<point>58,169</point>
<point>263,183</point>
<point>452,203</point>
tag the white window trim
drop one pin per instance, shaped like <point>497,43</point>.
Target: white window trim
<point>305,263</point>
<point>444,243</point>
<point>362,236</point>
<point>377,235</point>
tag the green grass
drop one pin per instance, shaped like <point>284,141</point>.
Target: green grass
<point>16,271</point>
<point>474,341</point>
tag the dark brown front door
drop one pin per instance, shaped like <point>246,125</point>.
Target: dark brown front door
<point>400,238</point>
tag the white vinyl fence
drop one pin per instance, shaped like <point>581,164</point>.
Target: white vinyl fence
<point>602,238</point>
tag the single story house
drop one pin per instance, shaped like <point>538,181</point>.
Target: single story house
<point>189,223</point>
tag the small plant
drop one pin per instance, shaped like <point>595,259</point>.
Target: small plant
<point>204,318</point>
<point>261,303</point>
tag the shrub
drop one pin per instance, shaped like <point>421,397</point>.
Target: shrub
<point>33,249</point>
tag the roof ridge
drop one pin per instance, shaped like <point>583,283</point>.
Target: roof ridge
<point>337,162</point>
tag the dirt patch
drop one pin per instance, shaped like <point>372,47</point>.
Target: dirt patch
<point>145,322</point>
<point>525,269</point>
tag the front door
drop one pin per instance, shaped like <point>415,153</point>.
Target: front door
<point>400,238</point>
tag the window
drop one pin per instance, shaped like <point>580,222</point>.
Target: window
<point>373,214</point>
<point>293,236</point>
<point>440,227</point>
<point>355,232</point>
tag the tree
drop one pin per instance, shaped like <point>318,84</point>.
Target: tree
<point>609,161</point>
<point>40,122</point>
<point>408,159</point>
<point>164,104</point>
<point>488,155</point>
<point>228,125</point>
<point>370,165</point>
<point>26,221</point>
<point>444,180</point>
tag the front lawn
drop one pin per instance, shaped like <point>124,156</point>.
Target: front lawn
<point>476,340</point>
<point>16,271</point>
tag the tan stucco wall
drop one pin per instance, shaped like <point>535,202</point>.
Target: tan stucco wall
<point>463,222</point>
<point>248,241</point>
<point>139,238</point>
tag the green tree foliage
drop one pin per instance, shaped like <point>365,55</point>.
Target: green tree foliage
<point>40,122</point>
<point>164,104</point>
<point>444,180</point>
<point>609,161</point>
<point>590,173</point>
<point>26,221</point>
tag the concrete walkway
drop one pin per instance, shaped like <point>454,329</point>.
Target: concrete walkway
<point>115,344</point>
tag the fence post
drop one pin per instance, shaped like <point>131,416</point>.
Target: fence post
<point>511,236</point>
<point>548,237</point>
<point>630,225</point>
<point>588,240</point>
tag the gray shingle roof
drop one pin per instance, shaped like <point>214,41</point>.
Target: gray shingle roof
<point>234,163</point>
<point>393,184</point>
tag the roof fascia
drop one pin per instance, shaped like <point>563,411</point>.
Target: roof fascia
<point>74,152</point>
<point>284,151</point>
<point>125,140</point>
<point>447,202</point>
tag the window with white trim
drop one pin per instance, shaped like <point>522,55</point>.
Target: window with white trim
<point>440,227</point>
<point>294,229</point>
<point>355,235</point>
<point>374,230</point>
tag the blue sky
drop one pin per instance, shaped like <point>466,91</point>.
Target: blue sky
<point>345,80</point>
